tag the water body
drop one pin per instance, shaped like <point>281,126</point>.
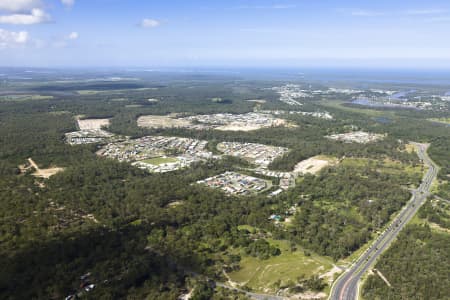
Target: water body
<point>383,120</point>
<point>362,101</point>
<point>370,103</point>
<point>367,102</point>
<point>447,94</point>
<point>402,95</point>
<point>421,77</point>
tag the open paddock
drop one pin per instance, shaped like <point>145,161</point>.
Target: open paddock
<point>263,275</point>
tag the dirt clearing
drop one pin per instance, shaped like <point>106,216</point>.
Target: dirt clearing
<point>153,121</point>
<point>44,173</point>
<point>312,165</point>
<point>329,276</point>
<point>257,101</point>
<point>239,127</point>
<point>249,126</point>
<point>92,124</point>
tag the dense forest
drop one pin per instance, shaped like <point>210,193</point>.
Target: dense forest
<point>416,266</point>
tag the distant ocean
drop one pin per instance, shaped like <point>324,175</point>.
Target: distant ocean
<point>404,77</point>
<point>426,77</point>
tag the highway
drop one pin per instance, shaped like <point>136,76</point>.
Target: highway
<point>346,287</point>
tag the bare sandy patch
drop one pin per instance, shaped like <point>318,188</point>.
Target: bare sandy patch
<point>187,296</point>
<point>329,276</point>
<point>175,204</point>
<point>44,173</point>
<point>241,126</point>
<point>92,124</point>
<point>311,165</point>
<point>439,228</point>
<point>47,173</point>
<point>153,121</point>
<point>90,217</point>
<point>257,101</point>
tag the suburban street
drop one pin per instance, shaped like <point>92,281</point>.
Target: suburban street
<point>346,287</point>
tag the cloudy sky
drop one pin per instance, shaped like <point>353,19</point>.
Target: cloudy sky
<point>146,33</point>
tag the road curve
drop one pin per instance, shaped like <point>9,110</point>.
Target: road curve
<point>346,286</point>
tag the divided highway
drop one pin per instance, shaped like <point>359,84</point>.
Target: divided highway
<point>346,286</point>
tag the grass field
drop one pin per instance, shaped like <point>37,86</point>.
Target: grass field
<point>386,166</point>
<point>441,120</point>
<point>366,111</point>
<point>160,160</point>
<point>261,275</point>
<point>249,228</point>
<point>410,148</point>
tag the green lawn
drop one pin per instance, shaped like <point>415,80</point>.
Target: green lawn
<point>160,160</point>
<point>260,275</point>
<point>366,111</point>
<point>248,228</point>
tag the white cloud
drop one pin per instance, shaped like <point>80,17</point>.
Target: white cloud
<point>35,17</point>
<point>393,13</point>
<point>19,5</point>
<point>73,36</point>
<point>150,23</point>
<point>438,19</point>
<point>418,12</point>
<point>366,13</point>
<point>65,41</point>
<point>11,39</point>
<point>68,3</point>
<point>274,6</point>
<point>59,44</point>
<point>283,6</point>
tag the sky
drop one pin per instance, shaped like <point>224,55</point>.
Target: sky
<point>231,33</point>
